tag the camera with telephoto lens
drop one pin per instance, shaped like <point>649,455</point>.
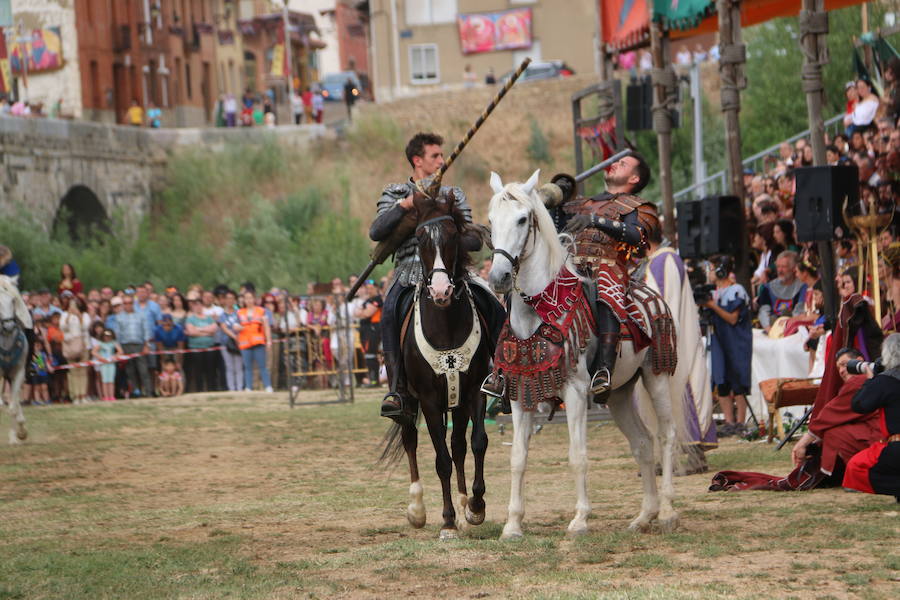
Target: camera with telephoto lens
<point>861,367</point>
<point>703,292</point>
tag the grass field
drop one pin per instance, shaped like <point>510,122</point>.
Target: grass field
<point>241,497</point>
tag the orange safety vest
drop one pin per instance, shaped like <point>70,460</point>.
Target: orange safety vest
<point>253,332</point>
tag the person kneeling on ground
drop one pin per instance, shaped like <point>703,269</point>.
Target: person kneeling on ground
<point>876,470</point>
<point>836,432</point>
<point>169,383</point>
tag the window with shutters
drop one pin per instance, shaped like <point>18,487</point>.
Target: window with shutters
<point>423,63</point>
<point>430,12</point>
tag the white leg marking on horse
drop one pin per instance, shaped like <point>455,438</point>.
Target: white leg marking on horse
<point>576,417</point>
<point>658,386</point>
<point>628,421</point>
<point>462,509</point>
<point>415,512</point>
<point>518,460</point>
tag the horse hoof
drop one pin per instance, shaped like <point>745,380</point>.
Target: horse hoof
<point>668,525</point>
<point>639,525</point>
<point>474,518</point>
<point>514,536</point>
<point>449,534</point>
<point>416,520</point>
<point>576,533</point>
<point>22,434</point>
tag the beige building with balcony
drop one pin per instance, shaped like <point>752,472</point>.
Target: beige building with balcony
<point>415,45</point>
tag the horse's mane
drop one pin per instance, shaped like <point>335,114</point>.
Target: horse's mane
<point>8,285</point>
<point>546,228</point>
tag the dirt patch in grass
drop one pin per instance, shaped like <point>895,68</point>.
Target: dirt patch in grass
<point>213,496</point>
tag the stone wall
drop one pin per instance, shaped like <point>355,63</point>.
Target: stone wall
<point>42,159</point>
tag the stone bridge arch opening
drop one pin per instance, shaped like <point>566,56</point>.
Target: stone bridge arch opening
<point>81,216</point>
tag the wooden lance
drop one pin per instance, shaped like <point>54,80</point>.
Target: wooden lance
<point>407,226</point>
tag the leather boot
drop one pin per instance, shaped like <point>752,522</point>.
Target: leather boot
<point>396,402</point>
<point>604,361</point>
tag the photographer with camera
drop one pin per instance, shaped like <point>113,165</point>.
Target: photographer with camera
<point>732,344</point>
<point>876,470</point>
<point>835,429</point>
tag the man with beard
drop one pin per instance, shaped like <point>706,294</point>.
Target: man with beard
<point>610,229</point>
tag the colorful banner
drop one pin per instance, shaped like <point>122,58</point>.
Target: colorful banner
<point>5,72</point>
<point>43,51</point>
<point>682,14</point>
<point>279,62</point>
<point>625,22</point>
<point>489,32</point>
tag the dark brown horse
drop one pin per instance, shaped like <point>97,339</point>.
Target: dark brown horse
<point>446,354</point>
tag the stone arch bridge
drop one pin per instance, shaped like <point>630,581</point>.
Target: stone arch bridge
<point>75,173</point>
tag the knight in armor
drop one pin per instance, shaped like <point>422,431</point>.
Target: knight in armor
<point>610,230</point>
<point>425,156</point>
<point>10,268</point>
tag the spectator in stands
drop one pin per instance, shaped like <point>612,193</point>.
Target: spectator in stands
<point>170,383</point>
<point>169,336</point>
<point>228,340</point>
<point>891,100</point>
<point>69,281</point>
<point>132,330</point>
<point>253,337</point>
<point>369,315</point>
<point>783,232</point>
<point>864,109</point>
<point>783,296</point>
<point>200,328</point>
<point>75,326</point>
<point>867,172</point>
<point>108,350</point>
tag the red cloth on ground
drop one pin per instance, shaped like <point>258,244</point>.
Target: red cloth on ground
<point>844,432</point>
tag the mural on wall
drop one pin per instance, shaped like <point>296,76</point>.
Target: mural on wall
<point>5,73</point>
<point>489,32</point>
<point>43,52</point>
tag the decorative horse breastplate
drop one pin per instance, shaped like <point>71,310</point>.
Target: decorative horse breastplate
<point>454,361</point>
<point>535,369</point>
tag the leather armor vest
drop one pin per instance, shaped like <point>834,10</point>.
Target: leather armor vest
<point>592,246</point>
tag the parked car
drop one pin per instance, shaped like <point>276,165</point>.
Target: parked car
<point>332,85</point>
<point>551,69</point>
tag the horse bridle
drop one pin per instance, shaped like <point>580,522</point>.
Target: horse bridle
<point>515,261</point>
<point>427,276</point>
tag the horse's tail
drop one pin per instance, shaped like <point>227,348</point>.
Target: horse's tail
<point>392,446</point>
<point>392,443</point>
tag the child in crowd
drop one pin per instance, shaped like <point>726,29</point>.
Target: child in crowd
<point>169,383</point>
<point>39,374</point>
<point>108,350</point>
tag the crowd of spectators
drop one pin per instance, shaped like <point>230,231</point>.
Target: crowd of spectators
<point>786,295</point>
<point>102,343</point>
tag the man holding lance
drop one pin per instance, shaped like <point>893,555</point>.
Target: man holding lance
<point>610,229</point>
<point>426,157</point>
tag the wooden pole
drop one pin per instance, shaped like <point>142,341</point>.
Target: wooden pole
<point>731,72</point>
<point>662,124</point>
<point>813,28</point>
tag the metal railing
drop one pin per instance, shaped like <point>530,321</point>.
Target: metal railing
<point>716,184</point>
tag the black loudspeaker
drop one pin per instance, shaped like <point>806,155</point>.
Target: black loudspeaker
<point>638,100</point>
<point>819,201</point>
<point>709,226</point>
<point>689,229</point>
<point>721,220</point>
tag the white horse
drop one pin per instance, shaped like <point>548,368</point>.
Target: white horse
<point>522,230</point>
<point>13,354</point>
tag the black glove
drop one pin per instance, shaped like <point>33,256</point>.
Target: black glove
<point>578,222</point>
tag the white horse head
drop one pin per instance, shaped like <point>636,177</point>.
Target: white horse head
<point>519,223</point>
